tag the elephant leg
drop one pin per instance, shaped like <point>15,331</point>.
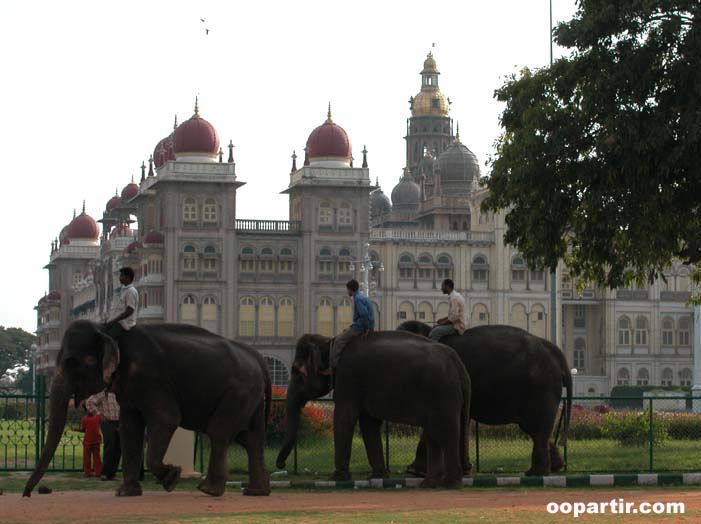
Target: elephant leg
<point>418,467</point>
<point>434,461</point>
<point>345,416</point>
<point>453,457</point>
<point>556,461</point>
<point>161,422</point>
<point>131,434</point>
<point>253,440</point>
<point>540,457</point>
<point>217,472</point>
<point>370,428</point>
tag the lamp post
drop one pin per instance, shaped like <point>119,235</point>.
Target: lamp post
<point>367,265</point>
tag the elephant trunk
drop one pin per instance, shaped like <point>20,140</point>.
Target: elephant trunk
<point>293,412</point>
<point>59,398</point>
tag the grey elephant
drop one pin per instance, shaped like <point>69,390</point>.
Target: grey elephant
<point>518,378</point>
<point>168,376</point>
<point>392,376</point>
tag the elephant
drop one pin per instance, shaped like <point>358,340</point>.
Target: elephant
<point>399,377</point>
<point>517,378</point>
<point>168,375</point>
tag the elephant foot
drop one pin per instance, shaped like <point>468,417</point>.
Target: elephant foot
<point>415,471</point>
<point>171,477</point>
<point>379,474</point>
<point>536,472</point>
<point>452,483</point>
<point>341,475</point>
<point>129,490</point>
<point>467,469</point>
<point>280,465</point>
<point>256,492</point>
<point>215,489</point>
<point>428,483</point>
<point>556,462</point>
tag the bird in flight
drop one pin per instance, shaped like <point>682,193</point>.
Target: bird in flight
<point>206,30</point>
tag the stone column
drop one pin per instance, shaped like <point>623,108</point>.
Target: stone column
<point>181,452</point>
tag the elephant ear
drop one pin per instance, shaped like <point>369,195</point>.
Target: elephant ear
<point>110,357</point>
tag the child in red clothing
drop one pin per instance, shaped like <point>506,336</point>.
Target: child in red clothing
<point>90,425</point>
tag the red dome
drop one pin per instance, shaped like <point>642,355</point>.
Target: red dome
<point>54,295</point>
<point>129,191</point>
<point>196,136</point>
<point>113,202</point>
<point>329,140</point>
<point>63,235</point>
<point>153,237</point>
<point>163,151</point>
<point>83,227</point>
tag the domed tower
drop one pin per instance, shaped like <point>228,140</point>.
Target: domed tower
<point>429,129</point>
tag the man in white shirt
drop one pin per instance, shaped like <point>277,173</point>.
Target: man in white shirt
<point>128,304</point>
<point>454,323</point>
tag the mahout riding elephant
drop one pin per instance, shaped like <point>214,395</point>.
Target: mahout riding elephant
<point>168,375</point>
<point>399,377</point>
<point>516,378</point>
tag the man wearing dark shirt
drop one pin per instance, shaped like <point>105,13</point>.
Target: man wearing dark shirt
<point>363,322</point>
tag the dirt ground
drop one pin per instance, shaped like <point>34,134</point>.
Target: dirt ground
<point>80,506</point>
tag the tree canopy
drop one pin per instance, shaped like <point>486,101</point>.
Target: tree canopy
<point>15,349</point>
<point>599,160</point>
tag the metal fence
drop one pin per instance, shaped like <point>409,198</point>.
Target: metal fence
<point>615,434</point>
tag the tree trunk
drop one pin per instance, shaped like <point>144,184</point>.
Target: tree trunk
<point>57,421</point>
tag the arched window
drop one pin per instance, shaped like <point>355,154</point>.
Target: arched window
<point>406,311</point>
<point>266,251</point>
<point>278,371</point>
<point>210,314</point>
<point>684,333</point>
<point>518,269</point>
<point>325,261</point>
<point>537,276</point>
<point>247,317</point>
<point>189,258</point>
<point>425,270</point>
<point>325,214</point>
<point>190,210</point>
<point>480,269</point>
<point>668,331</point>
<point>344,315</point>
<point>425,312</point>
<point>579,347</point>
<point>209,211</point>
<point>266,264</point>
<point>406,267</point>
<point>209,263</point>
<point>286,318</point>
<point>266,317</point>
<point>519,317</point>
<point>344,261</point>
<point>538,324</point>
<point>345,215</point>
<point>623,377</point>
<point>667,377</point>
<point>188,310</point>
<point>641,330</point>
<point>285,252</point>
<point>248,261</point>
<point>480,315</point>
<point>324,317</point>
<point>643,377</point>
<point>344,252</point>
<point>444,267</point>
<point>248,251</point>
<point>685,377</point>
<point>624,331</point>
<point>189,249</point>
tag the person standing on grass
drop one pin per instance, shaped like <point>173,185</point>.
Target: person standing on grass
<point>90,425</point>
<point>105,405</point>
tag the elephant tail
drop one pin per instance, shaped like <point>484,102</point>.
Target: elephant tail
<point>566,412</point>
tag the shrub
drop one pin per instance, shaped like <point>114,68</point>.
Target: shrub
<point>633,429</point>
<point>683,426</point>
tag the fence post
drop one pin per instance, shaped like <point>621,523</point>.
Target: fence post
<point>37,423</point>
<point>387,443</point>
<point>652,436</point>
<point>477,445</point>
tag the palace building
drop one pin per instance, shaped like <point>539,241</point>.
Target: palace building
<point>266,282</point>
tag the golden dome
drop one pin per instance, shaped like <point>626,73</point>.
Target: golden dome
<point>430,102</point>
<point>430,64</point>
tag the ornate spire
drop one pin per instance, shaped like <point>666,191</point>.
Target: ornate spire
<point>143,171</point>
<point>83,208</point>
<point>377,181</point>
<point>221,155</point>
<point>197,108</point>
<point>175,122</point>
<point>365,156</point>
<point>150,165</point>
<point>306,156</point>
<point>132,178</point>
<point>457,132</point>
<point>328,115</point>
<point>231,151</point>
<point>294,161</point>
<point>73,212</point>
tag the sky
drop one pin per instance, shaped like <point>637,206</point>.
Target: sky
<point>89,88</point>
